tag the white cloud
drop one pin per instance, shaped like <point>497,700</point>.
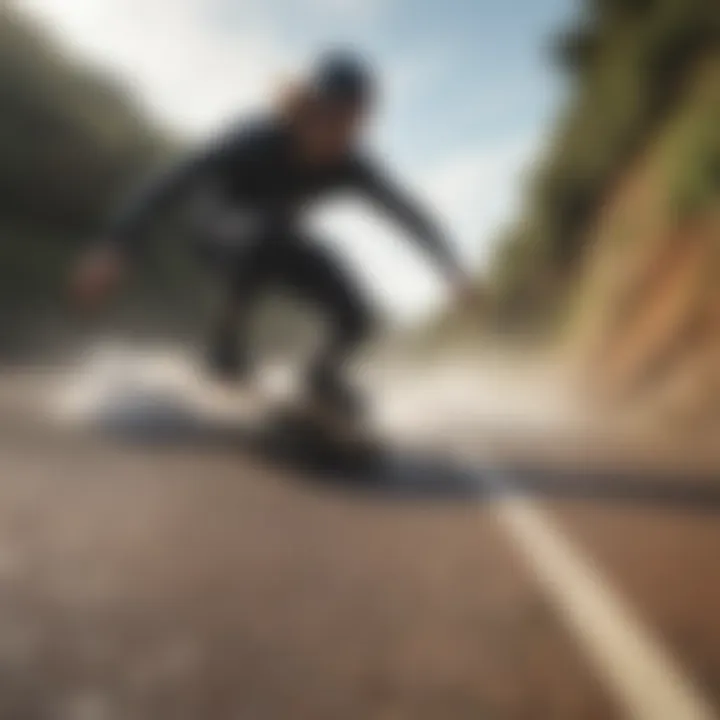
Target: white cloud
<point>364,8</point>
<point>185,70</point>
<point>479,191</point>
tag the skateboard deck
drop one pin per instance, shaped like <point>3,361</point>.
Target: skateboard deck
<point>296,427</point>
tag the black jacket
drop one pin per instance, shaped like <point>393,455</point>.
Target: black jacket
<point>254,167</point>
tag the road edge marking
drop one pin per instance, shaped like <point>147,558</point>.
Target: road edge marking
<point>645,679</point>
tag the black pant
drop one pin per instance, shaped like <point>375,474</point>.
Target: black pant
<point>309,271</point>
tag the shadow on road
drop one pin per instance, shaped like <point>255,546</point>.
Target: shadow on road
<point>396,473</point>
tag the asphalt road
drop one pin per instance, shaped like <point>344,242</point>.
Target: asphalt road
<point>176,572</point>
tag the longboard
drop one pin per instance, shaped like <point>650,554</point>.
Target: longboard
<point>295,427</point>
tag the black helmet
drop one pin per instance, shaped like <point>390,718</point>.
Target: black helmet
<point>343,77</point>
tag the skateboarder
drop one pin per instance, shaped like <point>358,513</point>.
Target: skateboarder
<point>261,176</point>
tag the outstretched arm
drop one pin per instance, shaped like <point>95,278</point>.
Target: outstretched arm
<point>397,202</point>
<point>103,266</point>
<point>164,188</point>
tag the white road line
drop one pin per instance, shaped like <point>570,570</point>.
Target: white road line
<point>645,680</point>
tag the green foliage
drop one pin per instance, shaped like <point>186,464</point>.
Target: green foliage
<point>70,141</point>
<point>628,61</point>
<point>68,138</point>
<point>695,161</point>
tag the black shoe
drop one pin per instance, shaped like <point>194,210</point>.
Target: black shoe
<point>337,396</point>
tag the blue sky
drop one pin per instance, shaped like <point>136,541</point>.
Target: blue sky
<point>469,95</point>
<point>479,66</point>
